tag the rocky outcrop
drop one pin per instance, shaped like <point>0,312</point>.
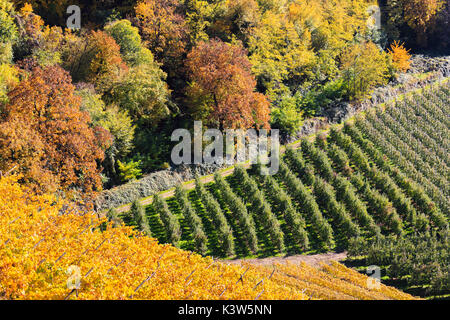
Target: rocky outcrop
<point>425,63</point>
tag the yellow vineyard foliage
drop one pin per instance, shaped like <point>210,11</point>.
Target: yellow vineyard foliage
<point>48,252</point>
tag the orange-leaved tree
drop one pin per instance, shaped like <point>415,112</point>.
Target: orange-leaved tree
<point>94,58</point>
<point>164,30</point>
<point>47,138</point>
<point>401,58</point>
<point>107,64</point>
<point>222,87</point>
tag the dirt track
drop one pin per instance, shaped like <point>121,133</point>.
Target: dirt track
<point>313,260</point>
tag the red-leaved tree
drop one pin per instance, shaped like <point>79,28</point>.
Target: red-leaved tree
<point>222,87</point>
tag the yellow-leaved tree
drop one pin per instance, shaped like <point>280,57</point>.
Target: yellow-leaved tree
<point>364,66</point>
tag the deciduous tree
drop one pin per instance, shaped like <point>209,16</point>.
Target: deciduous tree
<point>116,121</point>
<point>131,47</point>
<point>95,58</point>
<point>164,30</point>
<point>143,93</point>
<point>222,87</point>
<point>364,66</point>
<point>8,30</point>
<point>44,133</point>
<point>420,15</point>
<point>400,56</point>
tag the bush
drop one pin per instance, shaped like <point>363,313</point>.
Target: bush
<point>137,212</point>
<point>212,207</point>
<point>316,99</point>
<point>129,171</point>
<point>357,247</point>
<point>171,223</point>
<point>193,220</point>
<point>286,115</point>
<point>113,216</point>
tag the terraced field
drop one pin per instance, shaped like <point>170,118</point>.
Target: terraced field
<point>385,172</point>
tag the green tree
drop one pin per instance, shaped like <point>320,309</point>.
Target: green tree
<point>129,171</point>
<point>131,47</point>
<point>8,29</point>
<point>113,216</point>
<point>94,57</point>
<point>143,93</point>
<point>116,121</point>
<point>137,212</point>
<point>8,79</point>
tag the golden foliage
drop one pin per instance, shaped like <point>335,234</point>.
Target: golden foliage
<point>163,30</point>
<point>290,39</point>
<point>400,56</point>
<point>420,13</point>
<point>8,80</point>
<point>365,66</point>
<point>43,249</point>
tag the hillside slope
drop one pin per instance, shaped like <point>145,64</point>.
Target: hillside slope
<point>384,173</point>
<point>45,254</point>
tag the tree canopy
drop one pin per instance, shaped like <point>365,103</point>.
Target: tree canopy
<point>222,89</point>
<point>48,138</point>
